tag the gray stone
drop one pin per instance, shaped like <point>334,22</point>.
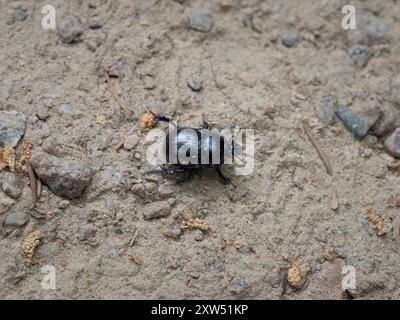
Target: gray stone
<point>248,21</point>
<point>63,204</point>
<point>198,235</point>
<point>5,203</point>
<point>326,111</point>
<point>165,190</point>
<point>12,127</point>
<point>387,123</point>
<point>239,286</point>
<point>176,232</point>
<point>15,219</point>
<point>290,38</point>
<point>86,232</point>
<point>138,189</point>
<point>360,121</point>
<point>370,31</point>
<point>21,14</point>
<point>70,29</point>
<point>65,178</point>
<point>195,84</point>
<point>11,184</point>
<point>42,111</point>
<point>156,209</point>
<point>50,145</point>
<point>360,55</point>
<point>321,237</point>
<point>392,143</point>
<point>131,142</point>
<point>96,23</point>
<point>201,21</point>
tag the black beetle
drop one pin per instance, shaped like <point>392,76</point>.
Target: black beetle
<point>214,147</point>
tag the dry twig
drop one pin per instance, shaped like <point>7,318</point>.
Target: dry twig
<point>320,152</point>
<point>114,93</point>
<point>33,183</point>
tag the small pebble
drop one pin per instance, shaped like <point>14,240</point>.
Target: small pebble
<point>65,178</point>
<point>21,14</point>
<point>176,232</point>
<point>387,123</point>
<point>63,204</point>
<point>138,189</point>
<point>150,186</point>
<point>5,203</point>
<point>366,153</point>
<point>360,55</point>
<point>86,232</point>
<point>92,4</point>
<point>396,201</point>
<point>96,23</point>
<point>131,142</point>
<point>15,219</point>
<point>239,286</point>
<point>156,210</point>
<point>70,29</point>
<point>12,127</point>
<point>198,235</point>
<point>195,84</point>
<point>201,21</point>
<point>42,111</point>
<point>360,123</point>
<point>11,184</point>
<point>321,237</point>
<point>370,31</point>
<point>290,38</point>
<point>119,216</point>
<point>392,144</point>
<point>165,190</point>
<point>326,111</point>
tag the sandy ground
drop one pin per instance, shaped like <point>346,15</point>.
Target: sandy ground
<point>277,217</point>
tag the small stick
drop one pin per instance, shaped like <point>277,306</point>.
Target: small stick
<point>120,145</point>
<point>32,182</point>
<point>320,152</point>
<point>114,93</point>
<point>334,199</point>
<point>39,187</point>
<point>133,239</point>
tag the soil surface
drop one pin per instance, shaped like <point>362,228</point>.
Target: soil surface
<point>262,65</point>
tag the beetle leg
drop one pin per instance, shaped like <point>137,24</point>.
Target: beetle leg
<point>162,118</point>
<point>205,123</point>
<point>224,179</point>
<point>178,173</point>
